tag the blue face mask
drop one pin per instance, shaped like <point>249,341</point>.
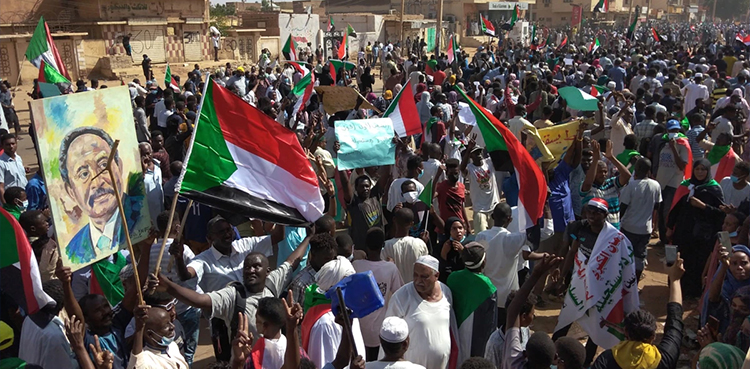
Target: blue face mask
<point>462,239</point>
<point>165,341</point>
<point>733,234</point>
<point>734,179</point>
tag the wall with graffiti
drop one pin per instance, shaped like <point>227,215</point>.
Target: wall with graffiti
<point>116,10</point>
<point>302,27</point>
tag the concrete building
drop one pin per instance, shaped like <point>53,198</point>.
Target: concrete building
<point>277,26</point>
<point>85,30</point>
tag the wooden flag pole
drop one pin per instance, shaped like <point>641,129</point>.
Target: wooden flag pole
<point>182,229</point>
<point>166,234</point>
<point>20,69</point>
<point>123,219</point>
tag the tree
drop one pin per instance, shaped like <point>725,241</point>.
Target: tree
<point>219,16</point>
<point>266,5</point>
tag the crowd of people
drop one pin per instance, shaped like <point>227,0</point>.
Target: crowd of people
<point>664,156</point>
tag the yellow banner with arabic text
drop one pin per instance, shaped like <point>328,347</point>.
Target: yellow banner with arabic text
<point>558,138</point>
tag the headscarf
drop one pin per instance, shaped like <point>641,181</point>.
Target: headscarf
<point>706,164</point>
<point>721,356</point>
<point>371,97</point>
<point>421,87</point>
<point>423,107</point>
<point>636,355</point>
<point>452,97</point>
<point>736,318</point>
<point>449,224</point>
<point>397,88</point>
<point>333,272</point>
<point>388,95</point>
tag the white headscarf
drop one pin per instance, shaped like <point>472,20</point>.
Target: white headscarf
<point>423,107</point>
<point>333,272</point>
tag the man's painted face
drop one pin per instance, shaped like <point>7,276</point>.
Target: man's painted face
<point>87,156</point>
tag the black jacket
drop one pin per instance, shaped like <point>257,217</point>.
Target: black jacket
<point>669,347</point>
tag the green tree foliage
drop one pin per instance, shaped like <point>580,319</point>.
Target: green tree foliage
<point>219,16</point>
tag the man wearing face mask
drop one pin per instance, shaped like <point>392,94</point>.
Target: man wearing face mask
<point>15,201</point>
<point>414,170</point>
<point>735,187</point>
<point>410,200</point>
<point>154,346</point>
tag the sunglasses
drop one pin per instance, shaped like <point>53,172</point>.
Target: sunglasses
<point>169,306</point>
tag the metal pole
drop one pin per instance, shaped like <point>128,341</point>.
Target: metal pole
<point>713,16</point>
<point>401,28</point>
<point>439,30</point>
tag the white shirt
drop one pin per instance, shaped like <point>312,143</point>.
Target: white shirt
<point>169,268</point>
<point>12,171</point>
<point>395,195</point>
<point>693,92</point>
<point>389,281</point>
<point>429,323</point>
<point>109,231</point>
<point>152,180</point>
<point>431,167</point>
<point>619,129</point>
<point>392,365</point>
<point>161,113</point>
<point>47,347</point>
<point>215,270</point>
<point>483,186</point>
<point>723,125</point>
<point>149,358</point>
<point>733,196</point>
<point>325,337</point>
<point>504,249</point>
<point>404,251</point>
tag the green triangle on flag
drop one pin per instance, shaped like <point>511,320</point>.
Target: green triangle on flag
<point>51,75</point>
<point>426,195</point>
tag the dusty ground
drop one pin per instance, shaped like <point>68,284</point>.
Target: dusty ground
<point>654,286</point>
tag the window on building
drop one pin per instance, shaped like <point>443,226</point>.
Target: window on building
<point>564,18</point>
<point>626,2</point>
<point>546,5</point>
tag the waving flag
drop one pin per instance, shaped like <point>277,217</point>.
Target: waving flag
<point>331,26</point>
<point>563,43</point>
<point>514,17</point>
<point>342,48</point>
<point>303,90</point>
<point>603,289</point>
<point>656,35</point>
<point>452,49</point>
<point>169,80</point>
<point>43,53</point>
<point>403,113</point>
<point>290,50</point>
<point>602,6</point>
<point>487,26</point>
<point>19,271</point>
<point>743,39</point>
<point>242,161</point>
<point>634,25</point>
<point>594,45</point>
<point>299,67</point>
<point>498,137</point>
<point>597,90</point>
<point>350,30</point>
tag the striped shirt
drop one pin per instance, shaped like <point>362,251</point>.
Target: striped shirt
<point>609,191</point>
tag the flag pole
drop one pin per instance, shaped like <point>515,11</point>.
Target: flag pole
<point>20,69</point>
<point>123,219</point>
<point>179,235</point>
<point>166,233</point>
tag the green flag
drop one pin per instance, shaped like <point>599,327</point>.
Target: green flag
<point>514,16</point>
<point>426,195</point>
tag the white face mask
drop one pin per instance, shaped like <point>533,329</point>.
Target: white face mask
<point>673,135</point>
<point>410,197</point>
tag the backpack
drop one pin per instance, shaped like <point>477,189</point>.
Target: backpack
<point>240,301</point>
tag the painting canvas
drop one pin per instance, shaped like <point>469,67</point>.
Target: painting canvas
<point>75,134</point>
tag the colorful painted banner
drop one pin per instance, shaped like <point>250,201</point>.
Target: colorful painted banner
<point>75,135</point>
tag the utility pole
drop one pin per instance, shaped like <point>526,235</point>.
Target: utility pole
<point>401,28</point>
<point>630,13</point>
<point>713,16</point>
<point>439,30</point>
